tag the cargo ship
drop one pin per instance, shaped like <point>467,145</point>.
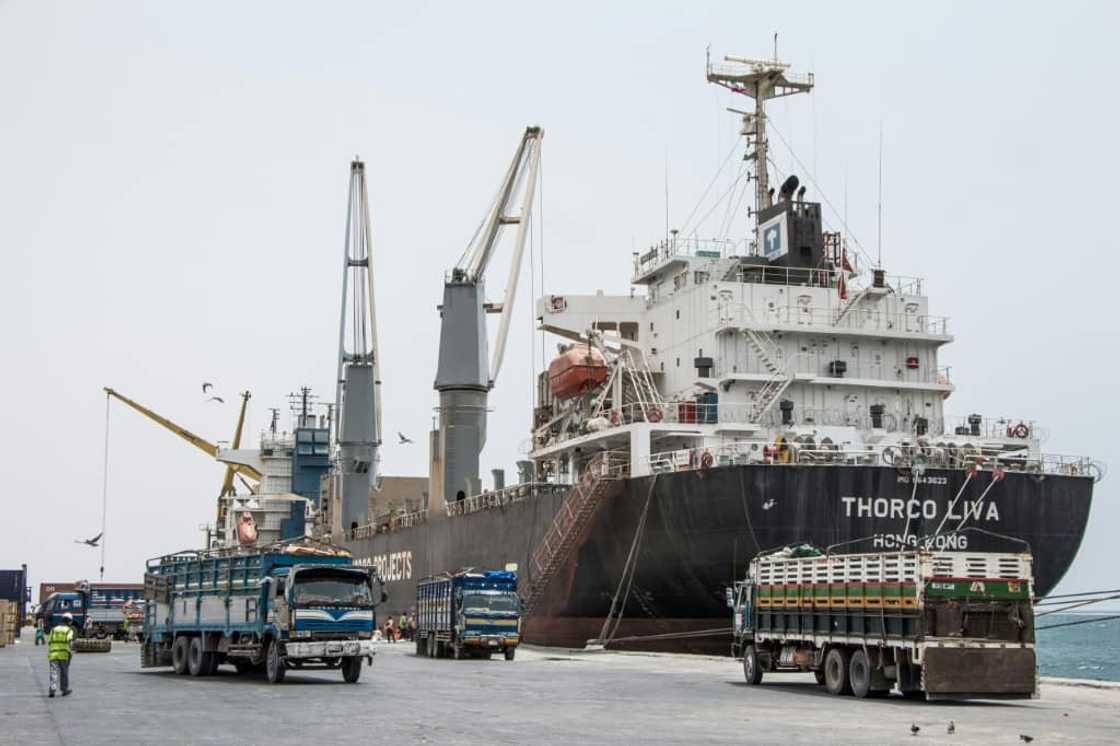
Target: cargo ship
<point>747,394</point>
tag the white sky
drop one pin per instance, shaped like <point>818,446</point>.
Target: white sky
<point>173,185</point>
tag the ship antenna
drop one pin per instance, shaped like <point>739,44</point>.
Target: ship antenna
<point>761,80</point>
<point>879,249</point>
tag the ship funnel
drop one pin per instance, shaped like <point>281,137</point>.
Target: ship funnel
<point>524,472</point>
<point>789,186</point>
<point>499,479</point>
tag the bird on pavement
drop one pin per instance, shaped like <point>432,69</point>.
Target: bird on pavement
<point>89,542</point>
<point>403,438</point>
<point>952,727</point>
<point>914,729</point>
<point>1025,738</point>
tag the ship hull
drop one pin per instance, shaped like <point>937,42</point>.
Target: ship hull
<point>691,534</point>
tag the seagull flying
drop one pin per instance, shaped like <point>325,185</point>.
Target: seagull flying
<point>404,438</point>
<point>206,386</point>
<point>218,399</point>
<point>89,542</point>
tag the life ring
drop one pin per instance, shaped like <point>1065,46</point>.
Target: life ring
<point>653,414</point>
<point>1021,431</point>
<point>706,460</point>
<point>616,417</point>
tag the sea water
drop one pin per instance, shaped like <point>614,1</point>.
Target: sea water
<point>1082,651</point>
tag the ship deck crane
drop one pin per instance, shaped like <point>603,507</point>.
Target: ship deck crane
<point>211,449</point>
<point>464,377</point>
<point>358,391</point>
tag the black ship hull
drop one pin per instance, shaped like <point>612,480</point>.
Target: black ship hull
<point>702,528</point>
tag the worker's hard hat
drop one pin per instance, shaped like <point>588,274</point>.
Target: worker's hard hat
<point>68,616</point>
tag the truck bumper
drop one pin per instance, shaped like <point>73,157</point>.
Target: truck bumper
<point>330,649</point>
<point>989,672</point>
<point>493,641</point>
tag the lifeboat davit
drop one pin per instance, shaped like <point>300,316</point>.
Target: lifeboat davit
<point>578,369</point>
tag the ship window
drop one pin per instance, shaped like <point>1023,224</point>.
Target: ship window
<point>321,436</point>
<point>303,450</point>
<point>678,362</point>
<point>662,366</point>
<point>322,451</point>
<point>629,330</point>
<point>304,436</point>
<point>651,326</point>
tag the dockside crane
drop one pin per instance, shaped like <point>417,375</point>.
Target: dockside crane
<point>358,391</point>
<point>464,377</point>
<point>211,449</point>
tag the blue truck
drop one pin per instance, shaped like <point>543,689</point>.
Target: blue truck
<point>98,609</point>
<point>468,614</point>
<point>287,606</point>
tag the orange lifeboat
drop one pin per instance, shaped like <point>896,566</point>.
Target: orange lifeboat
<point>577,369</point>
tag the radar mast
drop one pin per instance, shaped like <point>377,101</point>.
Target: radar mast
<point>761,80</point>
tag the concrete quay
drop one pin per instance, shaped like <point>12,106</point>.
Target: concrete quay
<point>544,696</point>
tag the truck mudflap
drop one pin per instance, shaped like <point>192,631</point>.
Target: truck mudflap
<point>329,649</point>
<point>980,673</point>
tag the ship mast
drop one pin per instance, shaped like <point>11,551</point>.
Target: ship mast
<point>761,80</point>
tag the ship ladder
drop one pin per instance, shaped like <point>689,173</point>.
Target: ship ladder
<point>569,526</point>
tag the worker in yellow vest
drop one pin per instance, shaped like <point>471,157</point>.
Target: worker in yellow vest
<point>59,643</point>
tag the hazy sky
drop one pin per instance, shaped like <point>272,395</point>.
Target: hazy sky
<point>173,185</point>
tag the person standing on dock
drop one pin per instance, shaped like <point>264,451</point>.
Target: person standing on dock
<point>59,644</point>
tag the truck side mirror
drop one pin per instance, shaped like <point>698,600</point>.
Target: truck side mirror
<point>730,595</point>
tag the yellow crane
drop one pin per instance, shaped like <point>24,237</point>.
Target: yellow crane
<point>241,470</point>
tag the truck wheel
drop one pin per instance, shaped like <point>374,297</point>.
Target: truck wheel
<point>752,671</point>
<point>421,647</point>
<point>510,652</point>
<point>179,654</point>
<point>836,672</point>
<point>431,646</point>
<point>274,665</point>
<point>196,658</point>
<point>351,669</point>
<point>211,661</point>
<point>859,673</point>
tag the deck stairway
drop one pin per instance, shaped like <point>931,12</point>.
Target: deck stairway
<point>770,355</point>
<point>569,527</point>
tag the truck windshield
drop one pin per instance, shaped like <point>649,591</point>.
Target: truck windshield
<point>491,602</point>
<point>334,589</point>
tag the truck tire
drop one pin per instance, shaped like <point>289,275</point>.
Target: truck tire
<point>179,654</point>
<point>431,646</point>
<point>421,647</point>
<point>274,664</point>
<point>211,660</point>
<point>510,652</point>
<point>351,669</point>
<point>859,673</point>
<point>196,658</point>
<point>91,645</point>
<point>752,671</point>
<point>836,679</point>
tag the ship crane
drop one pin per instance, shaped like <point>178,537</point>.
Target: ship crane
<point>464,376</point>
<point>358,391</point>
<point>240,470</point>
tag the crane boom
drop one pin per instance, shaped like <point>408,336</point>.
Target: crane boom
<point>195,440</point>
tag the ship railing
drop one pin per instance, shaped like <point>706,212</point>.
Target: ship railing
<point>498,498</point>
<point>390,521</point>
<point>726,315</point>
<point>998,428</point>
<point>902,456</point>
<point>712,413</point>
<point>671,248</point>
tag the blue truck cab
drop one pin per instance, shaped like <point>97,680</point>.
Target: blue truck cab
<point>468,614</point>
<point>281,607</point>
<point>64,602</point>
